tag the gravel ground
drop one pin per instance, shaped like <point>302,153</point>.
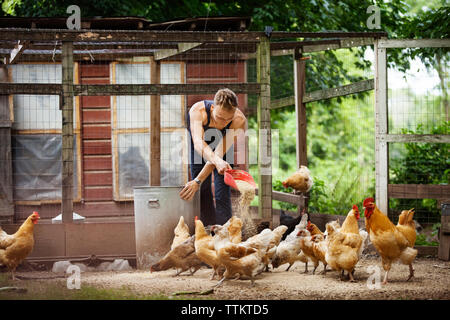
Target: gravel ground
<point>431,281</point>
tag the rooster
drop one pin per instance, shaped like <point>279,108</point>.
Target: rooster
<point>301,181</point>
<point>181,257</point>
<point>181,232</point>
<point>391,244</point>
<point>16,247</point>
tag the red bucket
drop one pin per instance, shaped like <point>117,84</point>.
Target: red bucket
<point>231,175</point>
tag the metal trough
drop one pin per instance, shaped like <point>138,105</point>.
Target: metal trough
<point>157,210</point>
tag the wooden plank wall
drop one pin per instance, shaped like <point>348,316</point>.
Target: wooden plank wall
<point>96,136</point>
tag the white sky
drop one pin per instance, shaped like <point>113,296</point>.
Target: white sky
<point>418,78</point>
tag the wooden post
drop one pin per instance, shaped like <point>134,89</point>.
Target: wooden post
<point>381,129</point>
<point>67,132</point>
<point>300,109</point>
<point>300,113</point>
<point>6,173</point>
<point>155,126</point>
<point>264,132</point>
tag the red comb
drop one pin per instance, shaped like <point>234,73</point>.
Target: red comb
<point>231,175</point>
<point>355,208</point>
<point>367,201</point>
<point>35,212</point>
<point>196,218</point>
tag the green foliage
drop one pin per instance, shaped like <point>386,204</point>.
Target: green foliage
<point>421,163</point>
<point>422,240</point>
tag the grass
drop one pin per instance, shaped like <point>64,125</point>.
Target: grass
<point>57,290</point>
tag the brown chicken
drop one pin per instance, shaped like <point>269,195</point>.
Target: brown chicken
<point>313,229</point>
<point>182,257</point>
<point>238,259</point>
<point>306,244</point>
<point>300,181</point>
<point>181,232</point>
<point>16,247</point>
<point>390,243</point>
<point>342,250</point>
<point>320,249</point>
<point>407,226</point>
<point>204,248</point>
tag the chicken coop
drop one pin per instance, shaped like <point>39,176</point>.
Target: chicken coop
<point>86,115</point>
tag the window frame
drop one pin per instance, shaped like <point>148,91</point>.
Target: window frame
<point>116,131</point>
<point>76,132</point>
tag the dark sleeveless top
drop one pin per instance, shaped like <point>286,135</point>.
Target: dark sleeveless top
<point>212,137</point>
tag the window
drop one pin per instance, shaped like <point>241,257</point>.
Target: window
<point>131,129</point>
<point>36,137</point>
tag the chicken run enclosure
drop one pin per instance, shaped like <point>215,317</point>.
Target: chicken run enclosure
<point>87,115</point>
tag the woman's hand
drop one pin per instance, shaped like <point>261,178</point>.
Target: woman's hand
<point>189,190</point>
<point>222,166</point>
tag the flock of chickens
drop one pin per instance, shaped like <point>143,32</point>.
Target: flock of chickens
<point>339,247</point>
<point>222,248</point>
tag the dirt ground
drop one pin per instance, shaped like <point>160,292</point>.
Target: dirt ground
<point>431,281</point>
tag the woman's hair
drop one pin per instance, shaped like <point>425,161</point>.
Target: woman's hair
<point>226,98</point>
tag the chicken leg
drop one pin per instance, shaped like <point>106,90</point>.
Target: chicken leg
<point>411,272</point>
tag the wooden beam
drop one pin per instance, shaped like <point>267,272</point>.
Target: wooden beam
<point>288,48</point>
<point>407,138</point>
<point>414,43</point>
<point>419,191</point>
<point>167,36</point>
<point>128,89</point>
<point>67,133</point>
<point>286,197</point>
<point>356,87</point>
<point>155,126</point>
<point>381,129</point>
<point>264,132</point>
<point>182,47</point>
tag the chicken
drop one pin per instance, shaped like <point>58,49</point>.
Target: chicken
<point>306,244</point>
<point>319,247</point>
<point>350,225</point>
<point>313,229</point>
<point>300,181</point>
<point>238,259</point>
<point>391,244</point>
<point>343,250</point>
<point>15,248</point>
<point>204,248</point>
<point>407,226</point>
<point>181,233</point>
<point>266,243</point>
<point>182,257</point>
<point>289,251</point>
